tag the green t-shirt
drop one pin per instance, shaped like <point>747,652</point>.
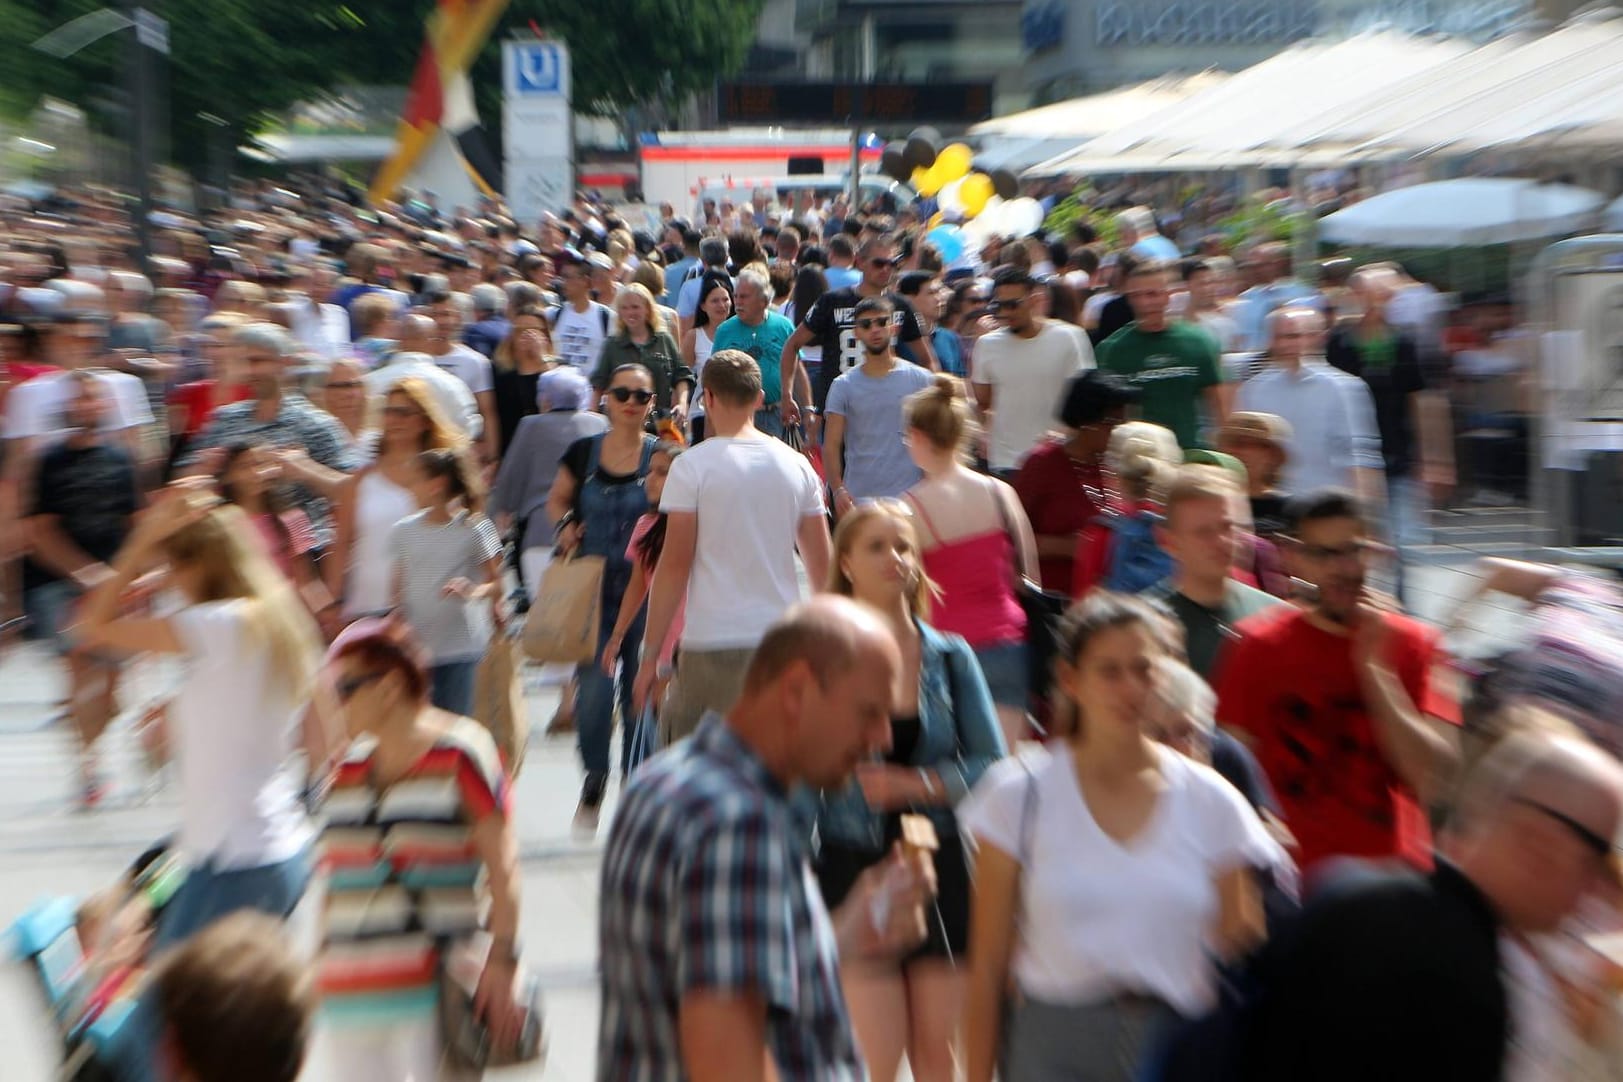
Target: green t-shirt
<point>1170,368</point>
<point>1207,630</point>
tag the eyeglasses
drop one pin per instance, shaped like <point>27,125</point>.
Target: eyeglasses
<point>345,385</point>
<point>869,324</point>
<point>626,394</point>
<point>1592,840</point>
<point>997,304</point>
<point>347,686</point>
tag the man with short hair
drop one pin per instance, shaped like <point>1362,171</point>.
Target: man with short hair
<point>1020,371</point>
<point>757,330</point>
<point>1140,235</point>
<point>719,960</point>
<point>864,454</point>
<point>1339,700</point>
<point>453,397</point>
<point>1411,977</point>
<point>1175,366</point>
<point>1334,442</point>
<point>712,260</point>
<point>1275,289</point>
<point>580,325</point>
<point>676,274</point>
<point>841,272</point>
<point>1198,530</point>
<point>1201,283</point>
<point>235,1004</point>
<point>831,324</point>
<point>467,365</point>
<point>737,508</point>
<point>490,326</point>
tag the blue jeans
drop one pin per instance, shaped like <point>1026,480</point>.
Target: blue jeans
<point>453,686</point>
<point>595,693</point>
<point>1007,672</point>
<point>206,896</point>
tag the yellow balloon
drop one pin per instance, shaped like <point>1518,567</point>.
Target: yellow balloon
<point>954,161</point>
<point>936,219</point>
<point>975,192</point>
<point>927,181</point>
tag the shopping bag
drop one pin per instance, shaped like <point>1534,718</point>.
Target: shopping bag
<point>644,737</point>
<point>498,702</point>
<point>562,624</point>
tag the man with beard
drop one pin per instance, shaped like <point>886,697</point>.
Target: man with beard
<point>1338,699</point>
<point>864,455</point>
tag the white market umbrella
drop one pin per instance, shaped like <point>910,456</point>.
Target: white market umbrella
<point>1467,211</point>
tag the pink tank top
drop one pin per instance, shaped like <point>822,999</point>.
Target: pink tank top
<point>975,577</point>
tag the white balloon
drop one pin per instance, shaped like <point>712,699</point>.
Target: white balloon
<point>989,220</point>
<point>1023,216</point>
<point>948,199</point>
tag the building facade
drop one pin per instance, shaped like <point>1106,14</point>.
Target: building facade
<point>1075,47</point>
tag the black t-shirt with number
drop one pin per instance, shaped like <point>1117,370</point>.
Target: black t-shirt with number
<point>92,493</point>
<point>833,320</point>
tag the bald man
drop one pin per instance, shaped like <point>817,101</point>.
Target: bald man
<point>717,952</point>
<point>1399,975</point>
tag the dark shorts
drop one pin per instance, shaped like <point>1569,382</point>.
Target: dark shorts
<point>838,867</point>
<point>50,609</point>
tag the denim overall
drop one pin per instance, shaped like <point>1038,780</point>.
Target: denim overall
<point>610,513</point>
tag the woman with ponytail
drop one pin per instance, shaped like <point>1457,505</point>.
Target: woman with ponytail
<point>944,735</point>
<point>977,543</point>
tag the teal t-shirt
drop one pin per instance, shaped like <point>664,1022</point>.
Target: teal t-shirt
<point>1171,369</point>
<point>765,343</point>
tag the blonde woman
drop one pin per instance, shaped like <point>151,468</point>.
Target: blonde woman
<point>944,735</point>
<point>977,543</point>
<point>643,338</point>
<point>1119,551</point>
<point>253,651</point>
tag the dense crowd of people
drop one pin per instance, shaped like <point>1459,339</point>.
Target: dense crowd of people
<point>1103,751</point>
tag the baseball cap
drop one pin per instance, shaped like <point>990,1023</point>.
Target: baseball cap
<point>1265,427</point>
<point>599,261</point>
<point>1091,395</point>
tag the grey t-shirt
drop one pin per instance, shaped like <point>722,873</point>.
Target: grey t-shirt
<point>427,556</point>
<point>876,460</point>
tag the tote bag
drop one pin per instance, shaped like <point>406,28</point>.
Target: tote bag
<point>562,625</point>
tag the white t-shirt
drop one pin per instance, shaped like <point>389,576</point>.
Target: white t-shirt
<point>1221,327</point>
<point>1098,918</point>
<point>34,407</point>
<point>468,365</point>
<point>1027,377</point>
<point>453,396</point>
<point>750,494</point>
<point>578,336</point>
<point>233,723</point>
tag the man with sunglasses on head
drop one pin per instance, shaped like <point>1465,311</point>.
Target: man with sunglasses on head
<point>1020,371</point>
<point>1338,698</point>
<point>831,323</point>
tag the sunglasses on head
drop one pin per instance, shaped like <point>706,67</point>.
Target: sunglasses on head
<point>626,394</point>
<point>869,324</point>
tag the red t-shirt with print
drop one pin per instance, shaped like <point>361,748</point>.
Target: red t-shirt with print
<point>1291,688</point>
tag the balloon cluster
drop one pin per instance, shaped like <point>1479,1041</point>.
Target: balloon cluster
<point>988,199</point>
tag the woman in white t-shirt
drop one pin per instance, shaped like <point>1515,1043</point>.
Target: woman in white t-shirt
<point>715,308</point>
<point>252,650</point>
<point>1109,872</point>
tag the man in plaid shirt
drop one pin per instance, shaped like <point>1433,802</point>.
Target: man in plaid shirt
<point>718,956</point>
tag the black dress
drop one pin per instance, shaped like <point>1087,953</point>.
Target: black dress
<point>839,865</point>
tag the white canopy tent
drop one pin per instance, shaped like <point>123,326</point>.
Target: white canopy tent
<point>1225,125</point>
<point>1464,212</point>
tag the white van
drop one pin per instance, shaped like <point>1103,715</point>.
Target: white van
<point>761,191</point>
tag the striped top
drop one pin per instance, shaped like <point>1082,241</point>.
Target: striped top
<point>427,555</point>
<point>403,872</point>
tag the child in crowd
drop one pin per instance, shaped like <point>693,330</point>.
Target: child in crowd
<point>250,475</point>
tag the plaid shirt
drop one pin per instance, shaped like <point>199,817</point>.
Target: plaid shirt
<point>298,423</point>
<point>707,886</point>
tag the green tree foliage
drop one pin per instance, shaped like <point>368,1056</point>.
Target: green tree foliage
<point>246,60</point>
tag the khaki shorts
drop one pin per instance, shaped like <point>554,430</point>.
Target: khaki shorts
<point>705,680</point>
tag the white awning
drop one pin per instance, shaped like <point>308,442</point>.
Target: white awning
<point>1463,212</point>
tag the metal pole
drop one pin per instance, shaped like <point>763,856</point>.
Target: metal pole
<point>139,63</point>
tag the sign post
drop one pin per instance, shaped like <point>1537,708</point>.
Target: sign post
<point>537,129</point>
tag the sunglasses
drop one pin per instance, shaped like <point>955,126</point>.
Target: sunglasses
<point>345,385</point>
<point>869,324</point>
<point>347,686</point>
<point>626,394</point>
<point>879,264</point>
<point>996,305</point>
<point>1588,836</point>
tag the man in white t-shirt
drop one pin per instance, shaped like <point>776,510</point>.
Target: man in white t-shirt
<point>579,325</point>
<point>466,364</point>
<point>1020,371</point>
<point>738,505</point>
<point>34,408</point>
<point>453,397</point>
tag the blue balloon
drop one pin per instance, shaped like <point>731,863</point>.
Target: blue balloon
<point>949,241</point>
